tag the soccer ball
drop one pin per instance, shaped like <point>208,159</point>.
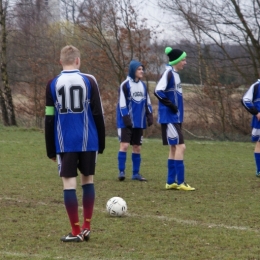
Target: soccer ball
<point>116,207</point>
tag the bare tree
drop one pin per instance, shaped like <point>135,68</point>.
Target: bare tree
<point>116,33</point>
<point>69,10</point>
<point>7,105</point>
<point>36,58</point>
<point>227,56</point>
<point>223,23</point>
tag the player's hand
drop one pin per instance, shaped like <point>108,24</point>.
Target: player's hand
<point>149,120</point>
<point>53,159</point>
<point>174,108</point>
<point>127,121</point>
<point>258,116</point>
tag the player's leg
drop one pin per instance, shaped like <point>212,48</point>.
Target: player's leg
<point>175,138</point>
<point>136,142</point>
<point>68,171</point>
<point>124,135</point>
<point>171,182</point>
<point>179,163</point>
<point>87,164</point>
<point>257,158</point>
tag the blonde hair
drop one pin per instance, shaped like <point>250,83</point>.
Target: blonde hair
<point>68,54</point>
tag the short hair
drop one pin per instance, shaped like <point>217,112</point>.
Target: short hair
<point>68,54</point>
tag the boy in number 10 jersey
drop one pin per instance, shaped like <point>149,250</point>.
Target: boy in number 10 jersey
<point>74,134</point>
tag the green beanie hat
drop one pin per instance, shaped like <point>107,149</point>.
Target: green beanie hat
<point>175,55</point>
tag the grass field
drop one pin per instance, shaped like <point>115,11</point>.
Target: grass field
<point>220,220</point>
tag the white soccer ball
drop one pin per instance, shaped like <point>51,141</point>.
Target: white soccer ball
<point>116,207</point>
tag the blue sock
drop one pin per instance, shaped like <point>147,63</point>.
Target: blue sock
<point>171,172</point>
<point>257,162</point>
<point>136,159</point>
<point>88,200</point>
<point>121,161</point>
<point>179,168</point>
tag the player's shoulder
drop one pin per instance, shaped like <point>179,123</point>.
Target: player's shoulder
<point>124,83</point>
<point>90,77</point>
<point>50,81</point>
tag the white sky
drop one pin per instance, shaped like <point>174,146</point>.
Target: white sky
<point>155,16</point>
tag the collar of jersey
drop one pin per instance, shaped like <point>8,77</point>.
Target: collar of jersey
<point>70,71</point>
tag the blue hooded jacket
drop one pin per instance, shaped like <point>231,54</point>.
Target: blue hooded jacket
<point>133,67</point>
<point>134,104</point>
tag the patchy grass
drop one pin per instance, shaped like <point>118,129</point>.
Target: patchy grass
<point>217,221</point>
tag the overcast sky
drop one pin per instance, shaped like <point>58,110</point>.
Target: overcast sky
<point>155,16</point>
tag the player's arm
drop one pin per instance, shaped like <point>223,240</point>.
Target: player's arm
<point>122,104</point>
<point>97,112</point>
<point>160,89</point>
<point>49,124</point>
<point>148,109</point>
<point>248,98</point>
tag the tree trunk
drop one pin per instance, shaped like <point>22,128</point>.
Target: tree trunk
<point>6,94</point>
<point>3,109</point>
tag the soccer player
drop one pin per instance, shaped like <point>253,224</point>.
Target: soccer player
<point>251,101</point>
<point>74,134</point>
<point>133,109</point>
<point>170,116</point>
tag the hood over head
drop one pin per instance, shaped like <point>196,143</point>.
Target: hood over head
<point>134,64</point>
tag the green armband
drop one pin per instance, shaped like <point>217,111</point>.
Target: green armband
<point>49,111</point>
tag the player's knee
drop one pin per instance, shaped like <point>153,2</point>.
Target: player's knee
<point>124,147</point>
<point>136,148</point>
<point>181,147</point>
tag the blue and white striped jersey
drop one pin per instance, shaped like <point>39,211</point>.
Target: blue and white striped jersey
<point>169,93</point>
<point>133,101</point>
<point>251,101</point>
<point>77,106</point>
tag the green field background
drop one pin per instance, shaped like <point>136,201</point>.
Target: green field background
<point>220,220</point>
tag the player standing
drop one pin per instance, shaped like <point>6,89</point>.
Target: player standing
<point>251,101</point>
<point>74,133</point>
<point>133,109</point>
<point>170,116</point>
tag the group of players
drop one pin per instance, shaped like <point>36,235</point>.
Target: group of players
<point>75,128</point>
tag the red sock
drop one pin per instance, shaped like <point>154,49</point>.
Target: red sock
<point>71,205</point>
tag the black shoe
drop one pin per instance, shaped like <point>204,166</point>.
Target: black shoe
<point>72,238</point>
<point>86,234</point>
<point>121,176</point>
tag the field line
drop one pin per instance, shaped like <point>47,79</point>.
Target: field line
<point>163,218</point>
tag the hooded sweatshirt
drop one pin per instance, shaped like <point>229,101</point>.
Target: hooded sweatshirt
<point>134,103</point>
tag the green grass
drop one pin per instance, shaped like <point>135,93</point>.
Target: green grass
<point>220,220</point>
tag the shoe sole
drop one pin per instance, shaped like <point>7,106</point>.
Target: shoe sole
<point>121,178</point>
<point>168,187</point>
<point>75,240</point>
<point>185,189</point>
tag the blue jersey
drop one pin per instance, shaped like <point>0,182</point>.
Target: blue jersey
<point>77,109</point>
<point>169,93</point>
<point>251,101</point>
<point>134,102</point>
